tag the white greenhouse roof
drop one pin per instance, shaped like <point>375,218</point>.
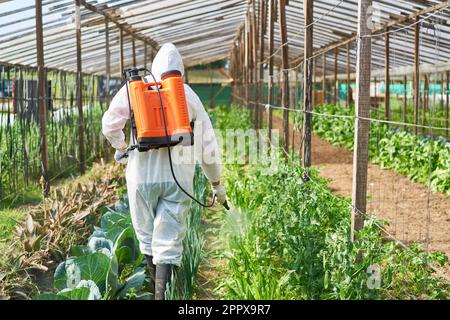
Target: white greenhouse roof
<point>205,30</point>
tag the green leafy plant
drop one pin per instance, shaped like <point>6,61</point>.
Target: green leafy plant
<point>103,265</point>
<point>291,240</point>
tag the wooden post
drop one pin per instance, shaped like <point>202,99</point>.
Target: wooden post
<point>324,78</point>
<point>262,28</point>
<point>43,145</point>
<point>122,63</point>
<point>387,78</point>
<point>447,103</point>
<point>250,67</point>
<point>247,56</point>
<point>442,103</point>
<point>361,149</point>
<point>152,57</point>
<point>308,9</point>
<point>335,84</point>
<point>313,97</point>
<point>405,101</point>
<point>416,73</point>
<point>349,90</point>
<point>107,62</point>
<point>145,55</point>
<point>272,8</point>
<point>255,69</point>
<point>285,74</point>
<point>376,92</point>
<point>79,88</point>
<point>426,97</point>
<point>240,65</point>
<point>134,51</point>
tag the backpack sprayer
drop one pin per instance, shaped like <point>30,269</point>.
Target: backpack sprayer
<point>159,116</point>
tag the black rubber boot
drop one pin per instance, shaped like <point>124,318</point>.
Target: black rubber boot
<point>152,271</point>
<point>163,275</point>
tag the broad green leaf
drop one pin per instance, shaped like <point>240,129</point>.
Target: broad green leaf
<point>94,291</point>
<point>113,224</point>
<point>76,293</point>
<point>113,276</point>
<point>126,248</point>
<point>78,251</point>
<point>135,281</point>
<point>94,266</point>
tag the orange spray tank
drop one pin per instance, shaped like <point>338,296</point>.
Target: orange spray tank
<point>149,127</point>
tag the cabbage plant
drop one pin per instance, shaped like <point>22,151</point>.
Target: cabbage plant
<point>101,269</point>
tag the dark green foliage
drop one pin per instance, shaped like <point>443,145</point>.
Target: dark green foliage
<point>291,240</point>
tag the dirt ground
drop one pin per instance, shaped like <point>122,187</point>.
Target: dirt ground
<point>213,262</point>
<point>412,211</point>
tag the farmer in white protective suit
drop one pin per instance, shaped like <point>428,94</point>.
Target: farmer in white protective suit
<point>158,207</point>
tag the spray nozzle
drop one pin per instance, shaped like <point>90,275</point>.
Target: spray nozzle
<point>133,73</point>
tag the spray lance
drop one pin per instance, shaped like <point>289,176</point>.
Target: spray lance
<point>162,119</point>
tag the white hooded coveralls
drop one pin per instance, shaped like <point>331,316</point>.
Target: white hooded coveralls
<point>158,207</point>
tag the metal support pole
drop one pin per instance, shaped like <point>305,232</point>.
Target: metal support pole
<point>447,103</point>
<point>107,62</point>
<point>145,55</point>
<point>361,150</point>
<point>387,77</point>
<point>416,73</point>
<point>375,83</point>
<point>308,9</point>
<point>247,58</point>
<point>313,96</point>
<point>80,89</point>
<point>426,97</point>
<point>152,57</point>
<point>335,82</point>
<point>349,89</point>
<point>272,9</point>
<point>122,62</point>
<point>324,78</point>
<point>41,98</point>
<point>255,69</point>
<point>134,51</point>
<point>405,100</point>
<point>262,29</point>
<point>285,74</point>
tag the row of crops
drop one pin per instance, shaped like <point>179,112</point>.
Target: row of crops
<point>290,240</point>
<point>423,159</point>
<point>111,267</point>
<point>20,149</point>
<point>20,138</point>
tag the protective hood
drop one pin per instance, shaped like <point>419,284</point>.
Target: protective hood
<point>167,58</point>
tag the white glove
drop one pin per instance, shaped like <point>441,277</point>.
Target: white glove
<point>220,193</point>
<point>119,156</point>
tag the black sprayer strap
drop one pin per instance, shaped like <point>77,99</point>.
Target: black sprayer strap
<point>133,138</point>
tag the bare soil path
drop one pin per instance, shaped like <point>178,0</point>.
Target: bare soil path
<point>406,205</point>
<point>212,263</point>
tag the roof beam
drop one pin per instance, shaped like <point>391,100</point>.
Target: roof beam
<point>125,27</point>
<point>379,30</point>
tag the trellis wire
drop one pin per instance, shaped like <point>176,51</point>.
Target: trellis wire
<point>398,123</point>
